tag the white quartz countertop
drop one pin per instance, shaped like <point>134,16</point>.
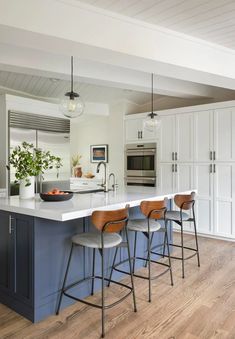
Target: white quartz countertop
<point>82,205</point>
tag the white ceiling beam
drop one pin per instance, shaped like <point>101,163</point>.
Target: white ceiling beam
<point>68,27</point>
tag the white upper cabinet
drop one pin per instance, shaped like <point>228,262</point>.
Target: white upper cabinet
<point>224,134</point>
<point>134,130</point>
<point>203,136</point>
<point>184,137</point>
<point>167,138</point>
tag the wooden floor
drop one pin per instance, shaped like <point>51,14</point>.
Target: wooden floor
<point>200,306</point>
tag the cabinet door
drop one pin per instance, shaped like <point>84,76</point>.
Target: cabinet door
<point>203,136</point>
<point>5,258</point>
<point>184,177</point>
<point>184,137</point>
<point>167,138</point>
<point>149,135</point>
<point>23,257</point>
<point>224,134</point>
<point>224,199</point>
<point>133,128</point>
<point>166,177</point>
<point>203,180</point>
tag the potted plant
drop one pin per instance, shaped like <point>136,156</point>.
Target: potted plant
<point>77,169</point>
<point>29,162</point>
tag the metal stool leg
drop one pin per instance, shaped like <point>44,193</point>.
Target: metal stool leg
<point>134,251</point>
<point>182,248</point>
<point>169,255</point>
<point>149,263</point>
<point>93,273</point>
<point>146,262</point>
<point>164,245</point>
<point>111,272</point>
<point>131,273</point>
<point>102,291</point>
<point>65,279</point>
<point>196,239</point>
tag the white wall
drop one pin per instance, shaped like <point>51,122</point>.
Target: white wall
<point>92,131</point>
<point>101,130</point>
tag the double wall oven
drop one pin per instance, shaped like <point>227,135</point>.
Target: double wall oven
<point>140,164</point>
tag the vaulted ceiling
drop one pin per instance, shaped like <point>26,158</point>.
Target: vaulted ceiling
<point>211,20</point>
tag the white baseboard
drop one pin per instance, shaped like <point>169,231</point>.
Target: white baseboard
<point>212,236</point>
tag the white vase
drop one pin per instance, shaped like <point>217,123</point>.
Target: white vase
<point>27,192</point>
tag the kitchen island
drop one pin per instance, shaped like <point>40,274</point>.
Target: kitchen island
<point>35,243</point>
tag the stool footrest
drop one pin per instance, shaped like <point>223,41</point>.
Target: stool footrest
<point>178,258</point>
<point>93,304</point>
<point>140,276</point>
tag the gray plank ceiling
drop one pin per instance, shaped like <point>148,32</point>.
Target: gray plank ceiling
<point>211,20</point>
<point>43,87</point>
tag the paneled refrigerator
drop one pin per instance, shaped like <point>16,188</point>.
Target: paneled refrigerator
<point>46,133</point>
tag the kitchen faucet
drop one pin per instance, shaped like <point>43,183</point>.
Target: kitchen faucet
<point>114,185</point>
<point>105,184</point>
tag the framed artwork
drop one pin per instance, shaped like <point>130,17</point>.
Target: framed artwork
<point>99,153</point>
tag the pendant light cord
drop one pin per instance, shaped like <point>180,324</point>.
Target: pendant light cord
<point>72,74</point>
<point>152,93</point>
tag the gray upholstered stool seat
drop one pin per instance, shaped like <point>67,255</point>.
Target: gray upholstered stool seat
<point>141,225</point>
<point>175,215</point>
<point>93,240</point>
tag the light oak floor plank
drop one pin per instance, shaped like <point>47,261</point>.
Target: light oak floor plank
<point>201,306</point>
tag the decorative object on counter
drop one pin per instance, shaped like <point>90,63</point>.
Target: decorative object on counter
<point>56,195</point>
<point>30,162</point>
<point>72,106</point>
<point>77,169</point>
<point>89,175</point>
<point>99,153</point>
<point>152,121</point>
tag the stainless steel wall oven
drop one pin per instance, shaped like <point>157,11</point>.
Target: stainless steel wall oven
<point>140,164</point>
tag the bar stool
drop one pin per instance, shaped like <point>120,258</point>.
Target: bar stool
<point>153,211</point>
<point>109,225</point>
<point>186,203</point>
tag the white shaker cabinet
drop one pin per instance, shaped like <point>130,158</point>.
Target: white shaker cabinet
<point>224,199</point>
<point>176,138</point>
<point>203,181</point>
<point>135,132</point>
<point>184,137</point>
<point>167,138</point>
<point>203,136</point>
<point>224,134</point>
<point>133,128</point>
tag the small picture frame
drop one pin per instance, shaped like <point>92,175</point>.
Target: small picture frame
<point>99,153</point>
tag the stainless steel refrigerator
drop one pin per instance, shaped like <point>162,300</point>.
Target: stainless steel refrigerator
<point>46,133</point>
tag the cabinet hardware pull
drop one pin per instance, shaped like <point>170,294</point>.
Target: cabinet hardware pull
<point>214,155</point>
<point>176,167</point>
<point>214,168</point>
<point>11,229</point>
<point>210,168</point>
<point>173,168</point>
<point>211,157</point>
<point>141,134</point>
<point>173,156</point>
<point>176,156</point>
<point>138,134</point>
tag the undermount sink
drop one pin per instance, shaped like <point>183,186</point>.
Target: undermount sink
<point>90,191</point>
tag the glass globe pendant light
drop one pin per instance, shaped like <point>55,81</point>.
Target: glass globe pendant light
<point>72,106</point>
<point>152,122</point>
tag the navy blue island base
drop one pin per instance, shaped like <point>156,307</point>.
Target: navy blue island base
<point>33,257</point>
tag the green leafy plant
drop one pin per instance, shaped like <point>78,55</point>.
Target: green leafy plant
<point>29,161</point>
<point>76,160</point>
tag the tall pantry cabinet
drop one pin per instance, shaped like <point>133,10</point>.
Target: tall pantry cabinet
<point>196,150</point>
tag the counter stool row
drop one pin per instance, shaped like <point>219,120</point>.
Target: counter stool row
<point>113,227</point>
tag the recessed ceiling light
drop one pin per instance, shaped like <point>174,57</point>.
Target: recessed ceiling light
<point>54,80</point>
